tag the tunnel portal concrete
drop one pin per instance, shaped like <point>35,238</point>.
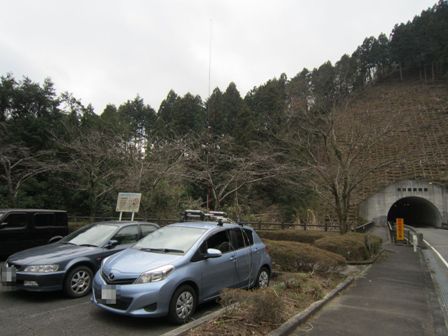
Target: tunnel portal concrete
<point>420,203</point>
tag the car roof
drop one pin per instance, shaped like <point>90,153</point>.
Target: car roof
<point>124,223</point>
<point>207,225</point>
<point>30,210</point>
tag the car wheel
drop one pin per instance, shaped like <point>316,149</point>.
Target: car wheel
<point>182,305</point>
<point>78,281</point>
<point>263,278</point>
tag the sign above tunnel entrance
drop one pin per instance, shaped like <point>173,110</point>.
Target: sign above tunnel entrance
<point>399,228</point>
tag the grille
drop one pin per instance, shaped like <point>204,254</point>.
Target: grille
<point>121,303</point>
<point>117,281</point>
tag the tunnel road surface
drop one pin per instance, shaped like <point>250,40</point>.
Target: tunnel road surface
<point>25,313</point>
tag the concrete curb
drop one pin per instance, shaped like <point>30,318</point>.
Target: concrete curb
<point>367,262</point>
<point>193,324</point>
<point>287,327</point>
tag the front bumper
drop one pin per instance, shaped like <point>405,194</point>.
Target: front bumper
<point>141,300</point>
<point>37,282</point>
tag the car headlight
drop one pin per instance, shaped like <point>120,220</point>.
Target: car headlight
<point>41,268</point>
<point>154,275</point>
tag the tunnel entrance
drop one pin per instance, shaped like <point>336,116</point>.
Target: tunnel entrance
<point>416,211</point>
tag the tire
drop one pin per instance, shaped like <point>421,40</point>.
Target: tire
<point>182,305</point>
<point>263,278</point>
<point>78,281</point>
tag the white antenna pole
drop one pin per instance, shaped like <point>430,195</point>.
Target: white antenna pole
<point>210,57</point>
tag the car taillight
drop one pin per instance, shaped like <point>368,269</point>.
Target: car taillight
<point>266,248</point>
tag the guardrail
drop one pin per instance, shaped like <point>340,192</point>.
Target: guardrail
<point>411,236</point>
<point>259,225</point>
<point>364,227</point>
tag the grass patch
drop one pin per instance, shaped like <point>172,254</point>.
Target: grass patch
<point>288,256</point>
<point>352,246</point>
<point>308,237</point>
<point>258,312</point>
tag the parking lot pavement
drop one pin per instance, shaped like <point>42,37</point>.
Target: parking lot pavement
<point>25,313</point>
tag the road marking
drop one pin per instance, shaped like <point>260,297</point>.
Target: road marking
<point>57,309</point>
<point>437,253</point>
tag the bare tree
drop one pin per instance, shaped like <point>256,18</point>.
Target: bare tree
<point>94,161</point>
<point>224,169</point>
<point>18,164</point>
<point>164,161</point>
<point>331,152</point>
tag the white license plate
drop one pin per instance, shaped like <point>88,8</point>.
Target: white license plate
<point>109,294</point>
<point>8,274</point>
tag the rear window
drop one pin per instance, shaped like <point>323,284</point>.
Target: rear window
<point>60,219</point>
<point>41,220</point>
<point>236,236</point>
<point>248,237</point>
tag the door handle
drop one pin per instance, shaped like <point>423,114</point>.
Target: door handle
<point>232,258</point>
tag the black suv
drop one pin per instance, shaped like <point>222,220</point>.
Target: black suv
<point>24,228</point>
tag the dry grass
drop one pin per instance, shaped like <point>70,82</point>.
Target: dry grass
<point>352,246</point>
<point>288,256</point>
<point>257,312</point>
<point>295,235</point>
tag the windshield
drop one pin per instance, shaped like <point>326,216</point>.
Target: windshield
<point>170,239</point>
<point>95,235</point>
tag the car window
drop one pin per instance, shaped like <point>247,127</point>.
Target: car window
<point>170,239</point>
<point>96,235</point>
<point>127,235</point>
<point>248,237</point>
<point>237,239</point>
<point>219,241</point>
<point>15,221</point>
<point>146,229</point>
<point>61,219</point>
<point>43,220</point>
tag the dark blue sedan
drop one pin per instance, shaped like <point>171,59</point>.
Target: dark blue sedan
<point>70,263</point>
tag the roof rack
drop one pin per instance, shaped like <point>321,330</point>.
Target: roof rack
<point>193,215</point>
<point>199,215</point>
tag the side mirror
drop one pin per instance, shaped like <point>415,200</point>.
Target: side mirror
<point>54,239</point>
<point>213,253</point>
<point>111,244</point>
<point>2,225</point>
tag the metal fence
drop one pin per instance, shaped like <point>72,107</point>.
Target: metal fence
<point>259,225</point>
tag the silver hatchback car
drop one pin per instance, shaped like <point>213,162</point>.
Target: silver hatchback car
<point>173,269</point>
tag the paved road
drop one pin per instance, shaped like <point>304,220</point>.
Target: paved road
<point>395,297</point>
<point>438,239</point>
<point>23,313</point>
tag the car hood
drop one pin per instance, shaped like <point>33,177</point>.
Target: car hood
<point>51,254</point>
<point>133,262</point>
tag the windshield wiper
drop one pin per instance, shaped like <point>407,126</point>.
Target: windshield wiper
<point>163,250</point>
<point>88,245</point>
<point>68,243</point>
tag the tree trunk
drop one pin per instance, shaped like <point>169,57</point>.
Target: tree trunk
<point>433,74</point>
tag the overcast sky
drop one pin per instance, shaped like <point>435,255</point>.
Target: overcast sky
<point>110,51</point>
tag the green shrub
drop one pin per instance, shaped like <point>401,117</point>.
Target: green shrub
<point>352,246</point>
<point>295,235</point>
<point>288,256</point>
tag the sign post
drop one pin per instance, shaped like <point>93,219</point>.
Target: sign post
<point>128,202</point>
<point>399,228</point>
